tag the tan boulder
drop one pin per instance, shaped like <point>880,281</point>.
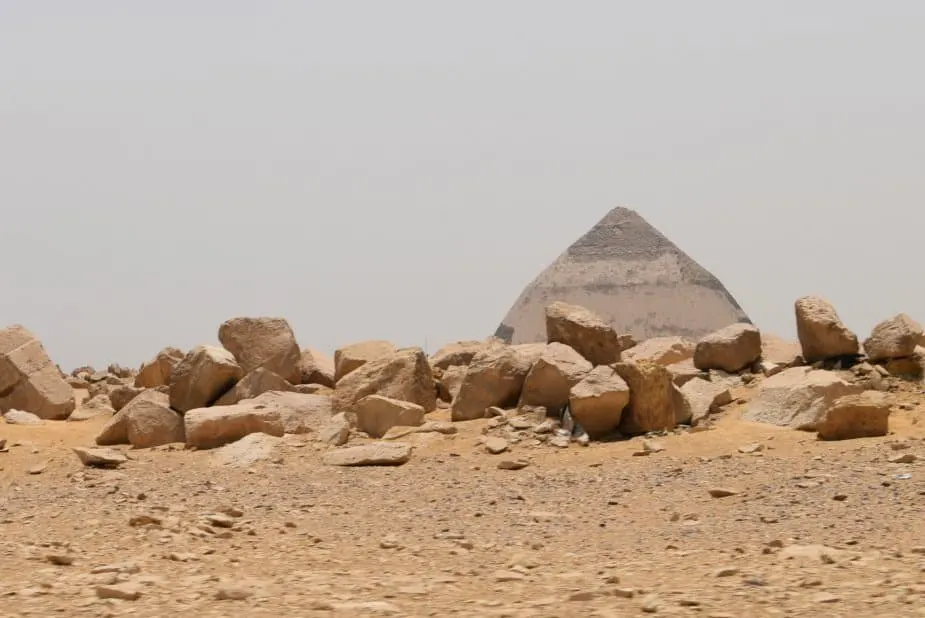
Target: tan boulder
<point>375,454</point>
<point>258,381</point>
<point>908,367</point>
<point>316,368</point>
<point>29,381</point>
<point>780,351</point>
<point>597,402</point>
<point>151,422</point>
<point>896,337</point>
<point>91,408</point>
<point>553,375</point>
<point>584,331</point>
<point>352,357</point>
<point>212,427</point>
<point>495,377</point>
<point>653,403</point>
<point>121,395</point>
<point>263,342</point>
<point>451,381</point>
<point>404,375</point>
<point>866,415</point>
<point>157,371</point>
<point>337,431</point>
<point>704,397</point>
<point>205,374</point>
<point>683,372</point>
<point>375,415</point>
<point>458,353</point>
<point>662,350</point>
<point>300,413</point>
<point>797,397</point>
<point>115,431</point>
<point>732,349</point>
<point>822,333</point>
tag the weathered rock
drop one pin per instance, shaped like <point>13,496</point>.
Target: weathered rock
<point>451,381</point>
<point>91,408</point>
<point>375,415</point>
<point>255,383</point>
<point>704,397</point>
<point>375,454</point>
<point>597,402</point>
<point>662,350</point>
<point>150,422</point>
<point>204,375</point>
<point>352,357</point>
<point>300,413</point>
<point>822,333</point>
<point>19,417</point>
<point>584,331</point>
<point>495,377</point>
<point>263,342</point>
<point>909,367</point>
<point>856,416</point>
<point>212,427</point>
<point>552,377</point>
<point>780,351</point>
<point>797,398</point>
<point>29,381</point>
<point>896,337</point>
<point>247,451</point>
<point>337,431</point>
<point>653,403</point>
<point>115,431</point>
<point>120,396</point>
<point>157,371</point>
<point>683,372</point>
<point>99,457</point>
<point>731,349</point>
<point>316,368</point>
<point>458,354</point>
<point>404,375</point>
<point>313,389</point>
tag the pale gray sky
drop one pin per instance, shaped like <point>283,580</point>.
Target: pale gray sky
<point>401,169</point>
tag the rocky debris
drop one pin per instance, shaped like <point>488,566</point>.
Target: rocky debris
<point>704,397</point>
<point>653,402</point>
<point>683,372</point>
<point>553,375</point>
<point>865,415</point>
<point>375,415</point>
<point>495,377</point>
<point>120,396</point>
<point>316,368</point>
<point>337,430</point>
<point>91,408</point>
<point>441,427</point>
<point>18,417</point>
<point>263,342</point>
<point>730,349</point>
<point>821,332</point>
<point>350,358</point>
<point>458,354</point>
<point>157,371</point>
<point>584,331</point>
<point>894,338</point>
<point>29,381</point>
<point>662,350</point>
<point>404,375</point>
<point>495,445</point>
<point>151,422</point>
<point>99,457</point>
<point>797,398</point>
<point>115,431</point>
<point>300,413</point>
<point>247,451</point>
<point>204,375</point>
<point>212,427</point>
<point>255,383</point>
<point>597,402</point>
<point>374,454</point>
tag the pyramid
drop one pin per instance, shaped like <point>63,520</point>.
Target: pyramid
<point>631,275</point>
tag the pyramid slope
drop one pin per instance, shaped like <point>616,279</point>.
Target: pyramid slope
<point>629,273</point>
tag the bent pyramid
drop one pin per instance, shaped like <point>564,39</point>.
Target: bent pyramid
<point>629,273</point>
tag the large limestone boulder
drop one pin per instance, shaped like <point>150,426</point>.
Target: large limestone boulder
<point>451,382</point>
<point>684,372</point>
<point>896,337</point>
<point>317,368</point>
<point>157,371</point>
<point>597,402</point>
<point>300,413</point>
<point>704,397</point>
<point>352,357</point>
<point>404,375</point>
<point>653,403</point>
<point>205,374</point>
<point>120,396</point>
<point>375,415</point>
<point>29,381</point>
<point>662,350</point>
<point>584,331</point>
<point>821,332</point>
<point>495,377</point>
<point>212,427</point>
<point>552,377</point>
<point>866,415</point>
<point>148,403</point>
<point>797,397</point>
<point>458,353</point>
<point>730,349</point>
<point>258,381</point>
<point>151,422</point>
<point>263,342</point>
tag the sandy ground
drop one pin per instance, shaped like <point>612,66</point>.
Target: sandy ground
<point>812,528</point>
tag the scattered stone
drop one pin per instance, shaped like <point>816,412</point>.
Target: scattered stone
<point>38,468</point>
<point>375,454</point>
<point>123,592</point>
<point>495,377</point>
<point>597,402</point>
<point>821,332</point>
<point>254,384</point>
<point>376,414</point>
<point>212,427</point>
<point>584,331</point>
<point>797,398</point>
<point>18,417</point>
<point>730,349</point>
<point>495,445</point>
<point>856,416</point>
<point>904,458</point>
<point>204,375</point>
<point>754,447</point>
<point>894,338</point>
<point>653,405</point>
<point>350,358</point>
<point>316,368</point>
<point>651,446</point>
<point>60,559</point>
<point>726,572</point>
<point>404,375</point>
<point>336,432</point>
<point>99,457</point>
<point>722,492</point>
<point>512,464</point>
<point>158,371</point>
<point>91,408</point>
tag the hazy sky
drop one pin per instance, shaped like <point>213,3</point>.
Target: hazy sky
<point>402,169</point>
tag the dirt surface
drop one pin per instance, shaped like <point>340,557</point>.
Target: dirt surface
<point>810,529</point>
